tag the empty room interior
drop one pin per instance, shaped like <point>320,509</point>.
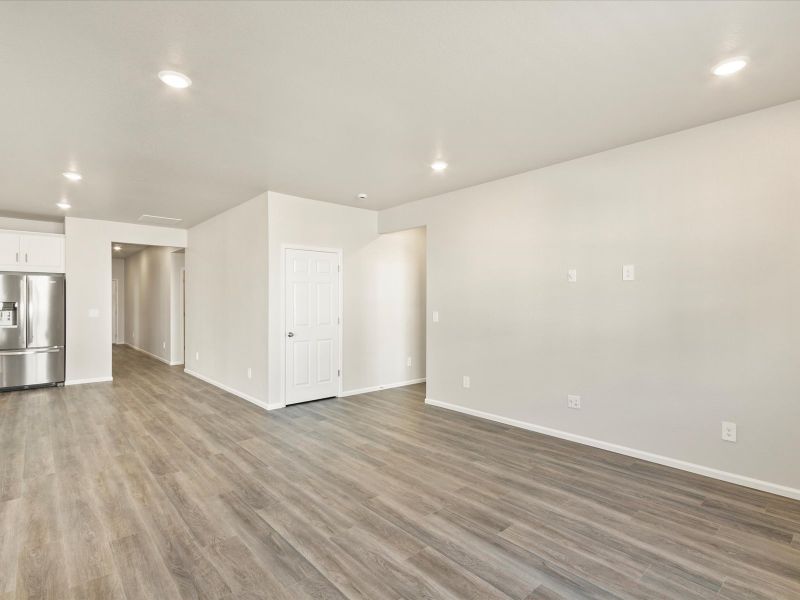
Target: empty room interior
<point>400,300</point>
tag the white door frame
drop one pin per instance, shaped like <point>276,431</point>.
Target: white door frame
<point>338,252</point>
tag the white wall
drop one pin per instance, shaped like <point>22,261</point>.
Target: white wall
<point>118,273</point>
<point>88,275</point>
<point>383,282</point>
<point>226,299</point>
<point>176,307</point>
<point>31,225</point>
<point>707,332</point>
<point>151,297</point>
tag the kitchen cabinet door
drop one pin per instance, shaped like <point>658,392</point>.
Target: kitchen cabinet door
<point>42,253</point>
<point>9,250</point>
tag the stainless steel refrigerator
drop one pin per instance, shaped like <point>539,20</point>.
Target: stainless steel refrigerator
<point>32,328</point>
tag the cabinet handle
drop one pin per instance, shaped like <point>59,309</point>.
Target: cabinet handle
<point>17,259</point>
<point>26,257</point>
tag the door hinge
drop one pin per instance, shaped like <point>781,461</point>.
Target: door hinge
<point>338,320</point>
<point>339,268</point>
<point>339,372</point>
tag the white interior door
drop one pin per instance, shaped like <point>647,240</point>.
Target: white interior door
<point>312,325</point>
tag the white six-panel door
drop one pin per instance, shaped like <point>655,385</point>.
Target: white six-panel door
<point>312,325</point>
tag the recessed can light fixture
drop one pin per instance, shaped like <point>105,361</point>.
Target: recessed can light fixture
<point>117,248</point>
<point>730,66</point>
<point>64,204</point>
<point>362,196</point>
<point>439,166</point>
<point>175,79</point>
<point>72,175</point>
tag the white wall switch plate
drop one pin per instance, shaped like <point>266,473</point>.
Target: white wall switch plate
<point>573,401</point>
<point>728,431</point>
<point>465,381</point>
<point>436,316</point>
<point>572,275</point>
<point>197,356</point>
<point>628,272</point>
<point>249,373</point>
<point>94,313</point>
<point>164,345</point>
<point>409,361</point>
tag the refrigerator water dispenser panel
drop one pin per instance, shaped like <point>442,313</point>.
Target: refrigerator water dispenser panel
<point>8,314</point>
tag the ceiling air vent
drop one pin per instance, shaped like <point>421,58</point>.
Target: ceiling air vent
<point>157,220</point>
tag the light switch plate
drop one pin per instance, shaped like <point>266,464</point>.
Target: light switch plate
<point>572,275</point>
<point>94,313</point>
<point>573,401</point>
<point>465,381</point>
<point>728,431</point>
<point>436,316</point>
<point>628,272</point>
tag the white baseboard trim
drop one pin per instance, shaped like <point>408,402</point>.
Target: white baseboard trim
<point>758,484</point>
<point>234,391</point>
<point>376,388</point>
<point>151,355</point>
<point>89,380</point>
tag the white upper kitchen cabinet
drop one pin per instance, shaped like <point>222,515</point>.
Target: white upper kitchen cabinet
<point>35,252</point>
<point>9,249</point>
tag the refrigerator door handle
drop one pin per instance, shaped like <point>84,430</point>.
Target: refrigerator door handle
<point>31,351</point>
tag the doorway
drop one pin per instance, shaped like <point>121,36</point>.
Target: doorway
<point>312,324</point>
<point>147,303</point>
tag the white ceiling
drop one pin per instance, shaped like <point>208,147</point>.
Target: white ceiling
<point>327,100</point>
<point>126,250</point>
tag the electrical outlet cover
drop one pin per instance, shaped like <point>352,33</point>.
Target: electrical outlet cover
<point>729,431</point>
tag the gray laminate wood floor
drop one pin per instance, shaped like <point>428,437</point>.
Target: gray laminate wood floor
<point>160,486</point>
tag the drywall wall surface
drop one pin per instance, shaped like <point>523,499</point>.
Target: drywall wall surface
<point>88,275</point>
<point>177,268</point>
<point>226,299</point>
<point>148,301</point>
<point>707,332</point>
<point>383,282</point>
<point>118,273</point>
<point>31,225</point>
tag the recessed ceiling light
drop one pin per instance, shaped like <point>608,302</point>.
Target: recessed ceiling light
<point>72,175</point>
<point>730,66</point>
<point>117,248</point>
<point>64,204</point>
<point>362,196</point>
<point>439,166</point>
<point>175,79</point>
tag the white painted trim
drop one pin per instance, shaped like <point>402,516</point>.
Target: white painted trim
<point>151,355</point>
<point>377,388</point>
<point>235,392</point>
<point>89,380</point>
<point>758,484</point>
<point>340,257</point>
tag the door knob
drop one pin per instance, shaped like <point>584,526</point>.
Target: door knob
<point>290,334</point>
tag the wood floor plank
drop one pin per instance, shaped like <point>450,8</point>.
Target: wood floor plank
<point>157,485</point>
